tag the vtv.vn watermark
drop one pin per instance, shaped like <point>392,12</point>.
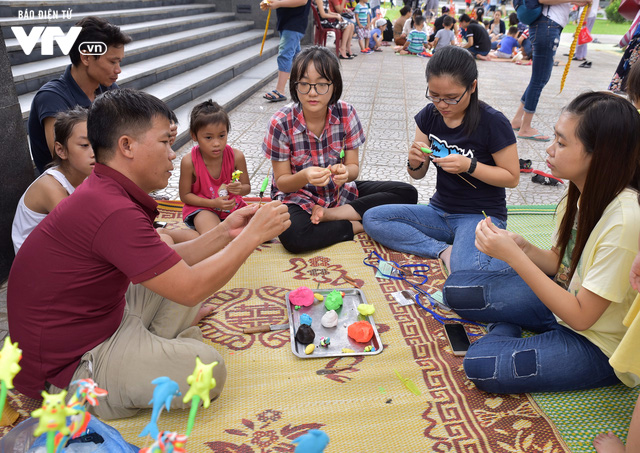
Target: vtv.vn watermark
<point>47,35</point>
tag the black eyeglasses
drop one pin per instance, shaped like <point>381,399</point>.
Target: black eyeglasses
<point>305,88</point>
<point>445,100</point>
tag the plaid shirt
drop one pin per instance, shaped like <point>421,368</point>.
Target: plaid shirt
<point>289,139</point>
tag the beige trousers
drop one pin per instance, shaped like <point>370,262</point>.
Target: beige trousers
<point>154,339</point>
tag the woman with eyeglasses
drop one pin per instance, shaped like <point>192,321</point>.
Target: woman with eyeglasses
<point>474,153</point>
<point>313,146</point>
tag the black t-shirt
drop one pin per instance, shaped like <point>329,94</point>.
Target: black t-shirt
<point>453,194</point>
<point>439,25</point>
<point>294,19</point>
<point>481,40</point>
<point>55,96</point>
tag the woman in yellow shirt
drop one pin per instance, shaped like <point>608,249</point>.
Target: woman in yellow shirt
<point>575,295</point>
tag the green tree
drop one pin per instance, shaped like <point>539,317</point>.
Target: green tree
<point>612,12</point>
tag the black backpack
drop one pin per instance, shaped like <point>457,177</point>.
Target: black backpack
<point>528,10</point>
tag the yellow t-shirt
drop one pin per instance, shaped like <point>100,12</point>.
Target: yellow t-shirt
<point>603,269</point>
<point>625,358</point>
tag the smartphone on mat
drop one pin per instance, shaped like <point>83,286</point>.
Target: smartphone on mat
<point>458,338</point>
<point>159,224</point>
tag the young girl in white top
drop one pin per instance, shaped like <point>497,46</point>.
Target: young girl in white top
<point>575,295</point>
<point>73,162</point>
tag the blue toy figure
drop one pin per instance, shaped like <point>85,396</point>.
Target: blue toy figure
<point>166,390</point>
<point>314,441</point>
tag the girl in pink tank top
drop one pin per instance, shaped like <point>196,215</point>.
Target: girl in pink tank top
<point>213,177</point>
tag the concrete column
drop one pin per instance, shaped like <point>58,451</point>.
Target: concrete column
<point>16,167</point>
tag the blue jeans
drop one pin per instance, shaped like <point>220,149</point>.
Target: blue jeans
<point>427,231</point>
<point>545,37</point>
<point>556,359</point>
<point>288,49</point>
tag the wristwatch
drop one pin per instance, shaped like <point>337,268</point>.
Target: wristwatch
<point>472,166</point>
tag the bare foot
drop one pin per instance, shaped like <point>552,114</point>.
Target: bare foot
<point>608,443</point>
<point>445,256</point>
<point>205,310</point>
<point>357,226</point>
<point>316,214</point>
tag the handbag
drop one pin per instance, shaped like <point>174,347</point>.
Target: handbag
<point>585,36</point>
<point>629,8</point>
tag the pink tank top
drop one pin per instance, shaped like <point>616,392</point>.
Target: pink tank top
<point>206,186</point>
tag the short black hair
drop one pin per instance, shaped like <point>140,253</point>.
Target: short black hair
<point>404,10</point>
<point>419,20</point>
<point>465,18</point>
<point>119,112</point>
<point>326,64</point>
<point>96,29</point>
<point>512,31</point>
<point>448,20</point>
<point>205,113</point>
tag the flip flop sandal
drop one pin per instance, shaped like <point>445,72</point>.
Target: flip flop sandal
<point>544,180</point>
<point>586,64</point>
<point>525,164</point>
<point>275,96</point>
<point>535,138</point>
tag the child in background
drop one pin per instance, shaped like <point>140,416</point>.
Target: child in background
<point>507,44</point>
<point>207,186</point>
<point>73,162</point>
<point>375,35</point>
<point>304,143</point>
<point>406,29</point>
<point>445,37</point>
<point>417,39</point>
<point>363,23</point>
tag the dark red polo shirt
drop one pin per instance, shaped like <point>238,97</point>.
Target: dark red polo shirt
<point>67,284</point>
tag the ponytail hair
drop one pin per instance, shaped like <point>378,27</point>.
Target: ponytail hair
<point>457,63</point>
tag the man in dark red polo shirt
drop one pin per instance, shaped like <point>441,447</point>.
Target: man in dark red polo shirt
<point>94,291</point>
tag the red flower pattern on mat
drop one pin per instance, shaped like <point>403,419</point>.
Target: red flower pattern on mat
<point>234,312</point>
<point>319,269</point>
<point>259,439</point>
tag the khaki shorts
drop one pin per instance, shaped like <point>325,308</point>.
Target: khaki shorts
<point>155,338</point>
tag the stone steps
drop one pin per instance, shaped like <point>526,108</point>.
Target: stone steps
<point>183,52</point>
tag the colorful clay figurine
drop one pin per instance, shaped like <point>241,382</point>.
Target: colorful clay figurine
<point>87,391</point>
<point>52,417</point>
<point>329,319</point>
<point>302,297</point>
<point>314,441</point>
<point>360,331</point>
<point>366,309</point>
<point>305,334</point>
<point>333,301</point>
<point>369,348</point>
<point>325,342</point>
<point>10,355</point>
<point>235,176</point>
<point>167,442</point>
<point>163,394</point>
<point>305,319</point>
<point>201,382</point>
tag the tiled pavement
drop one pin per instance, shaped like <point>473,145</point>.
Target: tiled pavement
<point>388,90</point>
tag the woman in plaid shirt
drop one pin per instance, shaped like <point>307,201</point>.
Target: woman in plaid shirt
<point>304,142</point>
